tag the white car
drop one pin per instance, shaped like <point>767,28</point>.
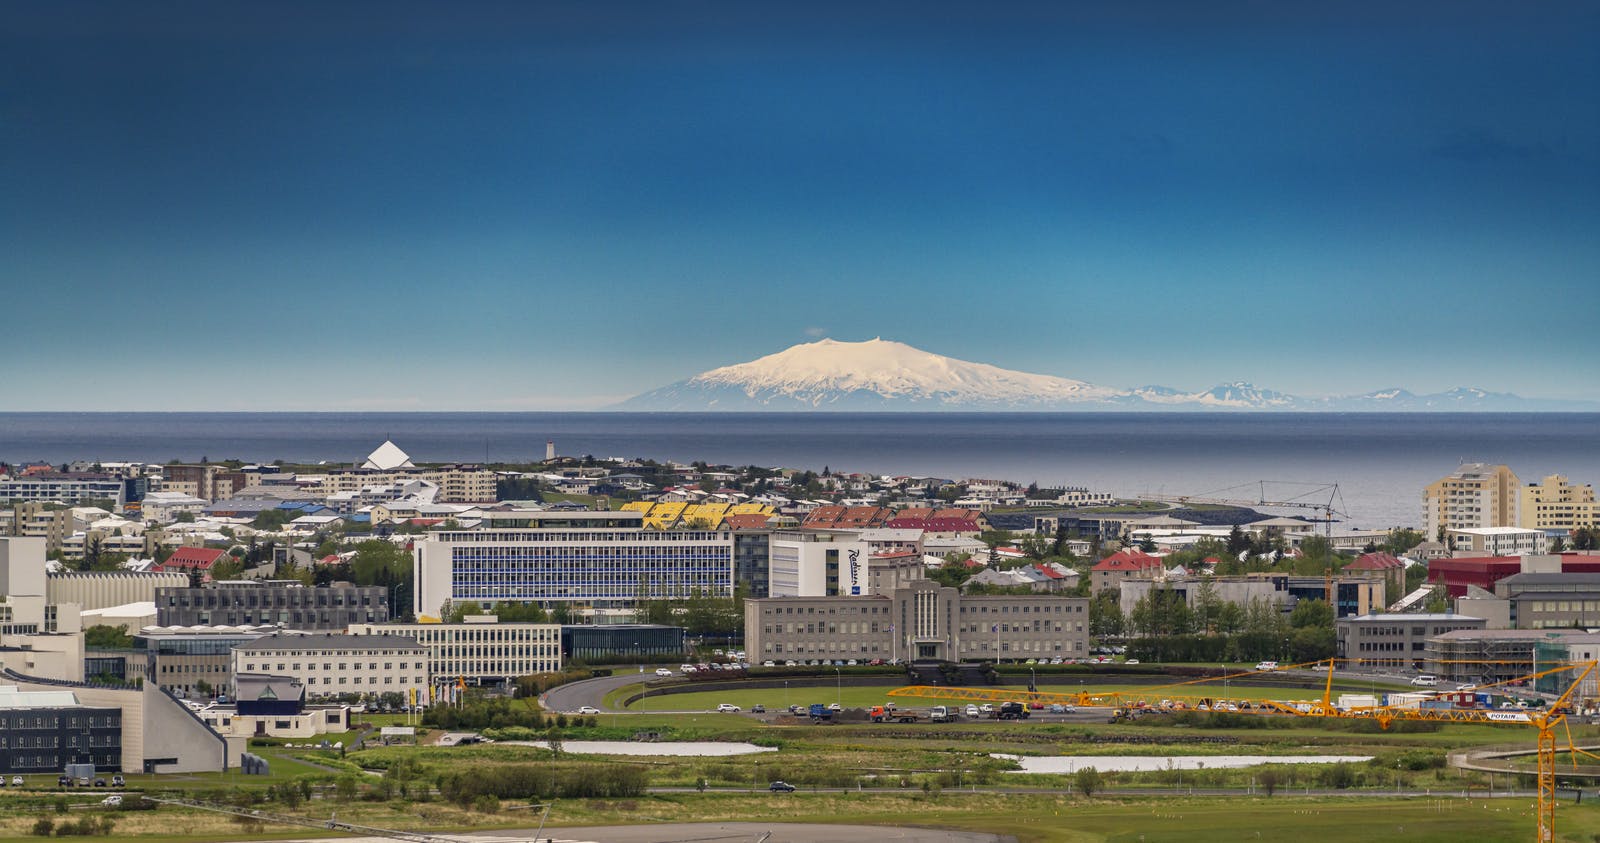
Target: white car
<point>727,708</point>
<point>588,709</point>
<point>986,708</point>
<point>769,663</point>
<point>1131,661</point>
<point>661,671</point>
<point>1266,665</point>
<point>16,781</point>
<point>972,710</point>
<point>112,800</point>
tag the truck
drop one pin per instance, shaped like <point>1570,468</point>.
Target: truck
<point>942,714</point>
<point>820,713</point>
<point>1012,711</point>
<point>882,714</point>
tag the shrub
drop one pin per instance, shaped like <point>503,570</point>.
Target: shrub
<point>43,826</point>
<point>486,804</point>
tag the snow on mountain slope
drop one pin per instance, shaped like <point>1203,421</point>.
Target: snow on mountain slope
<point>821,372</point>
<point>883,375</point>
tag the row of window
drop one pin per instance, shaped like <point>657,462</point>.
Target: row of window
<point>250,667</point>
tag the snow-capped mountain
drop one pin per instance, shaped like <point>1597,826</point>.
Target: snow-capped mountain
<point>877,374</point>
<point>884,375</point>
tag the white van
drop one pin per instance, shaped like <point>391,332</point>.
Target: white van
<point>1426,679</point>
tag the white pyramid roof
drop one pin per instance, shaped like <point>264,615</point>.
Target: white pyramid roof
<point>388,457</point>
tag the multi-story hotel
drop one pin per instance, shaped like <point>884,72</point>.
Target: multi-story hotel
<point>585,560</point>
<point>1474,495</point>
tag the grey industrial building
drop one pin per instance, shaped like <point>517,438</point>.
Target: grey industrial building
<point>290,604</point>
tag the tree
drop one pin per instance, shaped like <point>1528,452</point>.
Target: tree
<point>1438,601</point>
<point>1269,781</point>
<point>1315,614</point>
<point>1087,780</point>
<point>1230,618</point>
<point>1207,606</point>
<point>1105,614</point>
<point>107,637</point>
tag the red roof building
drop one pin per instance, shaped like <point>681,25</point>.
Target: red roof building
<point>746,521</point>
<point>192,559</point>
<point>1482,571</point>
<point>1109,572</point>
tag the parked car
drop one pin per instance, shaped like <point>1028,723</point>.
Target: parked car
<point>781,787</point>
<point>1131,661</point>
<point>972,710</point>
<point>835,707</point>
<point>986,708</point>
<point>661,671</point>
<point>727,708</point>
<point>1426,680</point>
<point>99,782</point>
<point>588,709</point>
<point>116,781</point>
<point>63,781</point>
<point>758,708</point>
<point>769,663</point>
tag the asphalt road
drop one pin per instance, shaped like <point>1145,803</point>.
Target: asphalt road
<point>751,832</point>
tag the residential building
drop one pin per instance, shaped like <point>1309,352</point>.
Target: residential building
<point>1108,573</point>
<point>65,488</point>
<point>1496,541</point>
<point>481,650</point>
<point>1386,566</point>
<point>36,519</point>
<point>164,506</point>
<point>189,559</point>
<point>1394,640</point>
<point>585,560</point>
<point>287,603</point>
<point>332,664</point>
<point>1474,495</point>
<point>37,638</point>
<point>205,481</point>
<point>922,621</point>
<point>1556,504</point>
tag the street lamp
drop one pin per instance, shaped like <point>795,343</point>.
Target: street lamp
<point>838,688</point>
<point>1033,681</point>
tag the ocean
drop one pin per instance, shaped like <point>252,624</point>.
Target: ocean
<point>1379,461</point>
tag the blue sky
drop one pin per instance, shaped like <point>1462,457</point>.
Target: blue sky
<point>554,206</point>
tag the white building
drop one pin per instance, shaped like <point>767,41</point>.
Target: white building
<point>585,560</point>
<point>331,664</point>
<point>1497,541</point>
<point>818,564</point>
<point>481,650</point>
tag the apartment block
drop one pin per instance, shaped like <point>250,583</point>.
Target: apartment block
<point>1556,504</point>
<point>1474,495</point>
<point>1496,541</point>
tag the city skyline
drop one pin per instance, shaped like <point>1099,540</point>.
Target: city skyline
<point>509,206</point>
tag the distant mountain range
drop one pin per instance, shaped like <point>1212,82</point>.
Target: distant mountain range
<point>882,375</point>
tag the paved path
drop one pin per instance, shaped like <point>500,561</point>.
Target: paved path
<point>715,833</point>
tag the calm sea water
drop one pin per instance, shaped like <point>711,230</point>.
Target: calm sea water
<point>1380,461</point>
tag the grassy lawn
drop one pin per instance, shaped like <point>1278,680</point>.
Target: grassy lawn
<point>814,691</point>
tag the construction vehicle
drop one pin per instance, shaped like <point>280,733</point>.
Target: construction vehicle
<point>821,713</point>
<point>883,714</point>
<point>941,714</point>
<point>1545,719</point>
<point>1011,711</point>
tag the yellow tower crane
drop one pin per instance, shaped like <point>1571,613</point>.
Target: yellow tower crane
<point>1545,720</point>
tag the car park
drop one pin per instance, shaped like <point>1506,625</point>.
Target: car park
<point>727,708</point>
<point>588,709</point>
<point>781,787</point>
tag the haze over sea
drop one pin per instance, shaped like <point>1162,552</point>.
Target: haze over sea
<point>1380,461</point>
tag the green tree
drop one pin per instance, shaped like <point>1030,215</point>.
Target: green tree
<point>1207,607</point>
<point>1088,781</point>
<point>1315,614</point>
<point>1230,618</point>
<point>107,637</point>
<point>1438,601</point>
<point>1105,614</point>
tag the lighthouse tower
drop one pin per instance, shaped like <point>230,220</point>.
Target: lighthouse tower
<point>549,450</point>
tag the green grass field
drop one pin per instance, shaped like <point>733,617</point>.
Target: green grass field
<point>863,697</point>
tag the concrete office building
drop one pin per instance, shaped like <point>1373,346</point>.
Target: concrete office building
<point>1496,541</point>
<point>184,660</point>
<point>1551,600</point>
<point>338,664</point>
<point>288,603</point>
<point>589,561</point>
<point>1395,640</point>
<point>922,621</point>
<point>37,638</point>
<point>1474,495</point>
<point>130,730</point>
<point>480,650</point>
<point>1556,504</point>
